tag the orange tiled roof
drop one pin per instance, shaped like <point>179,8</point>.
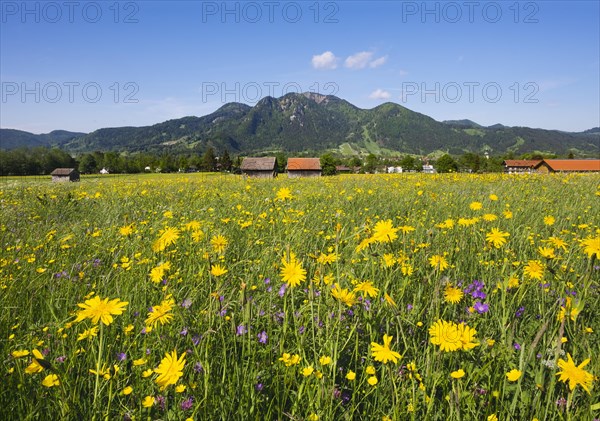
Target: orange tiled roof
<point>304,164</point>
<point>572,164</point>
<point>524,163</point>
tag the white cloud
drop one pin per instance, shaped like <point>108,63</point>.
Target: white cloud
<point>380,94</point>
<point>378,62</point>
<point>326,61</point>
<point>358,60</point>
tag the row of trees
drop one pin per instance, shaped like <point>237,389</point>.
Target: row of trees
<point>41,161</point>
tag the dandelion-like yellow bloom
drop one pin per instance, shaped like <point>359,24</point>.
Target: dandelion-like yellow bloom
<point>20,353</point>
<point>292,271</point>
<point>161,313</point>
<point>496,237</point>
<point>384,232</point>
<point>100,310</point>
<point>591,247</point>
<point>168,236</point>
<point>476,206</point>
<point>344,295</point>
<point>547,252</point>
<point>88,333</point>
<point>170,369</point>
<point>219,243</point>
<point>157,273</point>
<point>284,194</point>
<point>383,353</point>
<point>148,402</point>
<point>452,337</point>
<point>514,375</point>
<point>126,230</point>
<point>549,220</point>
<point>534,270</point>
<point>574,374</point>
<point>438,262</point>
<point>367,289</point>
<point>218,270</point>
<point>452,294</point>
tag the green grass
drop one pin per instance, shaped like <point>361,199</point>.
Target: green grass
<point>63,244</point>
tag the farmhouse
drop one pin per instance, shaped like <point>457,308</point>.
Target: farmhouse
<point>520,166</point>
<point>568,165</point>
<point>304,167</point>
<point>259,167</point>
<point>64,175</point>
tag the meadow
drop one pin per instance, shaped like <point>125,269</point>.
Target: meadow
<point>371,297</point>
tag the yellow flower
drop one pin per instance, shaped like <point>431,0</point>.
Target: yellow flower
<point>534,270</point>
<point>284,194</point>
<point>549,220</point>
<point>140,361</point>
<point>452,337</point>
<point>384,232</point>
<point>51,380</point>
<point>325,360</point>
<point>170,369</point>
<point>452,294</point>
<point>475,206</point>
<point>100,310</point>
<point>351,376</point>
<point>492,417</point>
<point>383,353</point>
<point>219,243</point>
<point>157,273</point>
<point>218,270</point>
<point>343,295</point>
<point>313,417</point>
<point>438,262</point>
<point>126,230</point>
<point>147,373</point>
<point>88,333</point>
<point>289,359</point>
<point>370,370</point>
<point>389,300</point>
<point>128,329</point>
<point>168,236</point>
<point>35,366</point>
<point>547,252</point>
<point>367,288</point>
<point>161,313</point>
<point>591,247</point>
<point>457,374</point>
<point>127,390</point>
<point>493,197</point>
<point>496,237</point>
<point>20,353</point>
<point>148,402</point>
<point>307,371</point>
<point>372,380</point>
<point>575,375</point>
<point>292,271</point>
<point>180,388</point>
<point>513,375</point>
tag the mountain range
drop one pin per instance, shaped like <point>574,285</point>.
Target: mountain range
<point>311,122</point>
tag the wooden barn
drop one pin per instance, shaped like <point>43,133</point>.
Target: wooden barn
<point>568,165</point>
<point>60,175</point>
<point>520,166</point>
<point>303,167</point>
<point>259,167</point>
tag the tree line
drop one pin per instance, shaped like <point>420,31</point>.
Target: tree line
<point>42,161</point>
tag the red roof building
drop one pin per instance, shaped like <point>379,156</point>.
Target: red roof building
<point>304,167</point>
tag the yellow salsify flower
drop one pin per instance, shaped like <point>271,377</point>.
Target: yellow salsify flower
<point>292,271</point>
<point>534,270</point>
<point>438,262</point>
<point>591,247</point>
<point>161,313</point>
<point>88,333</point>
<point>157,273</point>
<point>476,206</point>
<point>284,194</point>
<point>384,232</point>
<point>219,243</point>
<point>168,236</point>
<point>367,289</point>
<point>343,295</point>
<point>574,374</point>
<point>170,369</point>
<point>51,380</point>
<point>100,310</point>
<point>452,337</point>
<point>218,270</point>
<point>547,252</point>
<point>549,220</point>
<point>496,237</point>
<point>383,353</point>
<point>513,375</point>
<point>452,294</point>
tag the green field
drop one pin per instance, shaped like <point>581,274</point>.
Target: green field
<point>375,297</point>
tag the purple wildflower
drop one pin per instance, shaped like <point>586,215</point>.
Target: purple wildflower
<point>187,404</point>
<point>121,356</point>
<point>160,401</point>
<point>259,387</point>
<point>198,368</point>
<point>517,346</point>
<point>262,337</point>
<point>184,331</point>
<point>241,330</point>
<point>520,311</point>
<point>186,303</point>
<point>481,307</point>
<point>196,340</point>
<point>282,290</point>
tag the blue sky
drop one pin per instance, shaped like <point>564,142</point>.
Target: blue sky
<point>85,65</point>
